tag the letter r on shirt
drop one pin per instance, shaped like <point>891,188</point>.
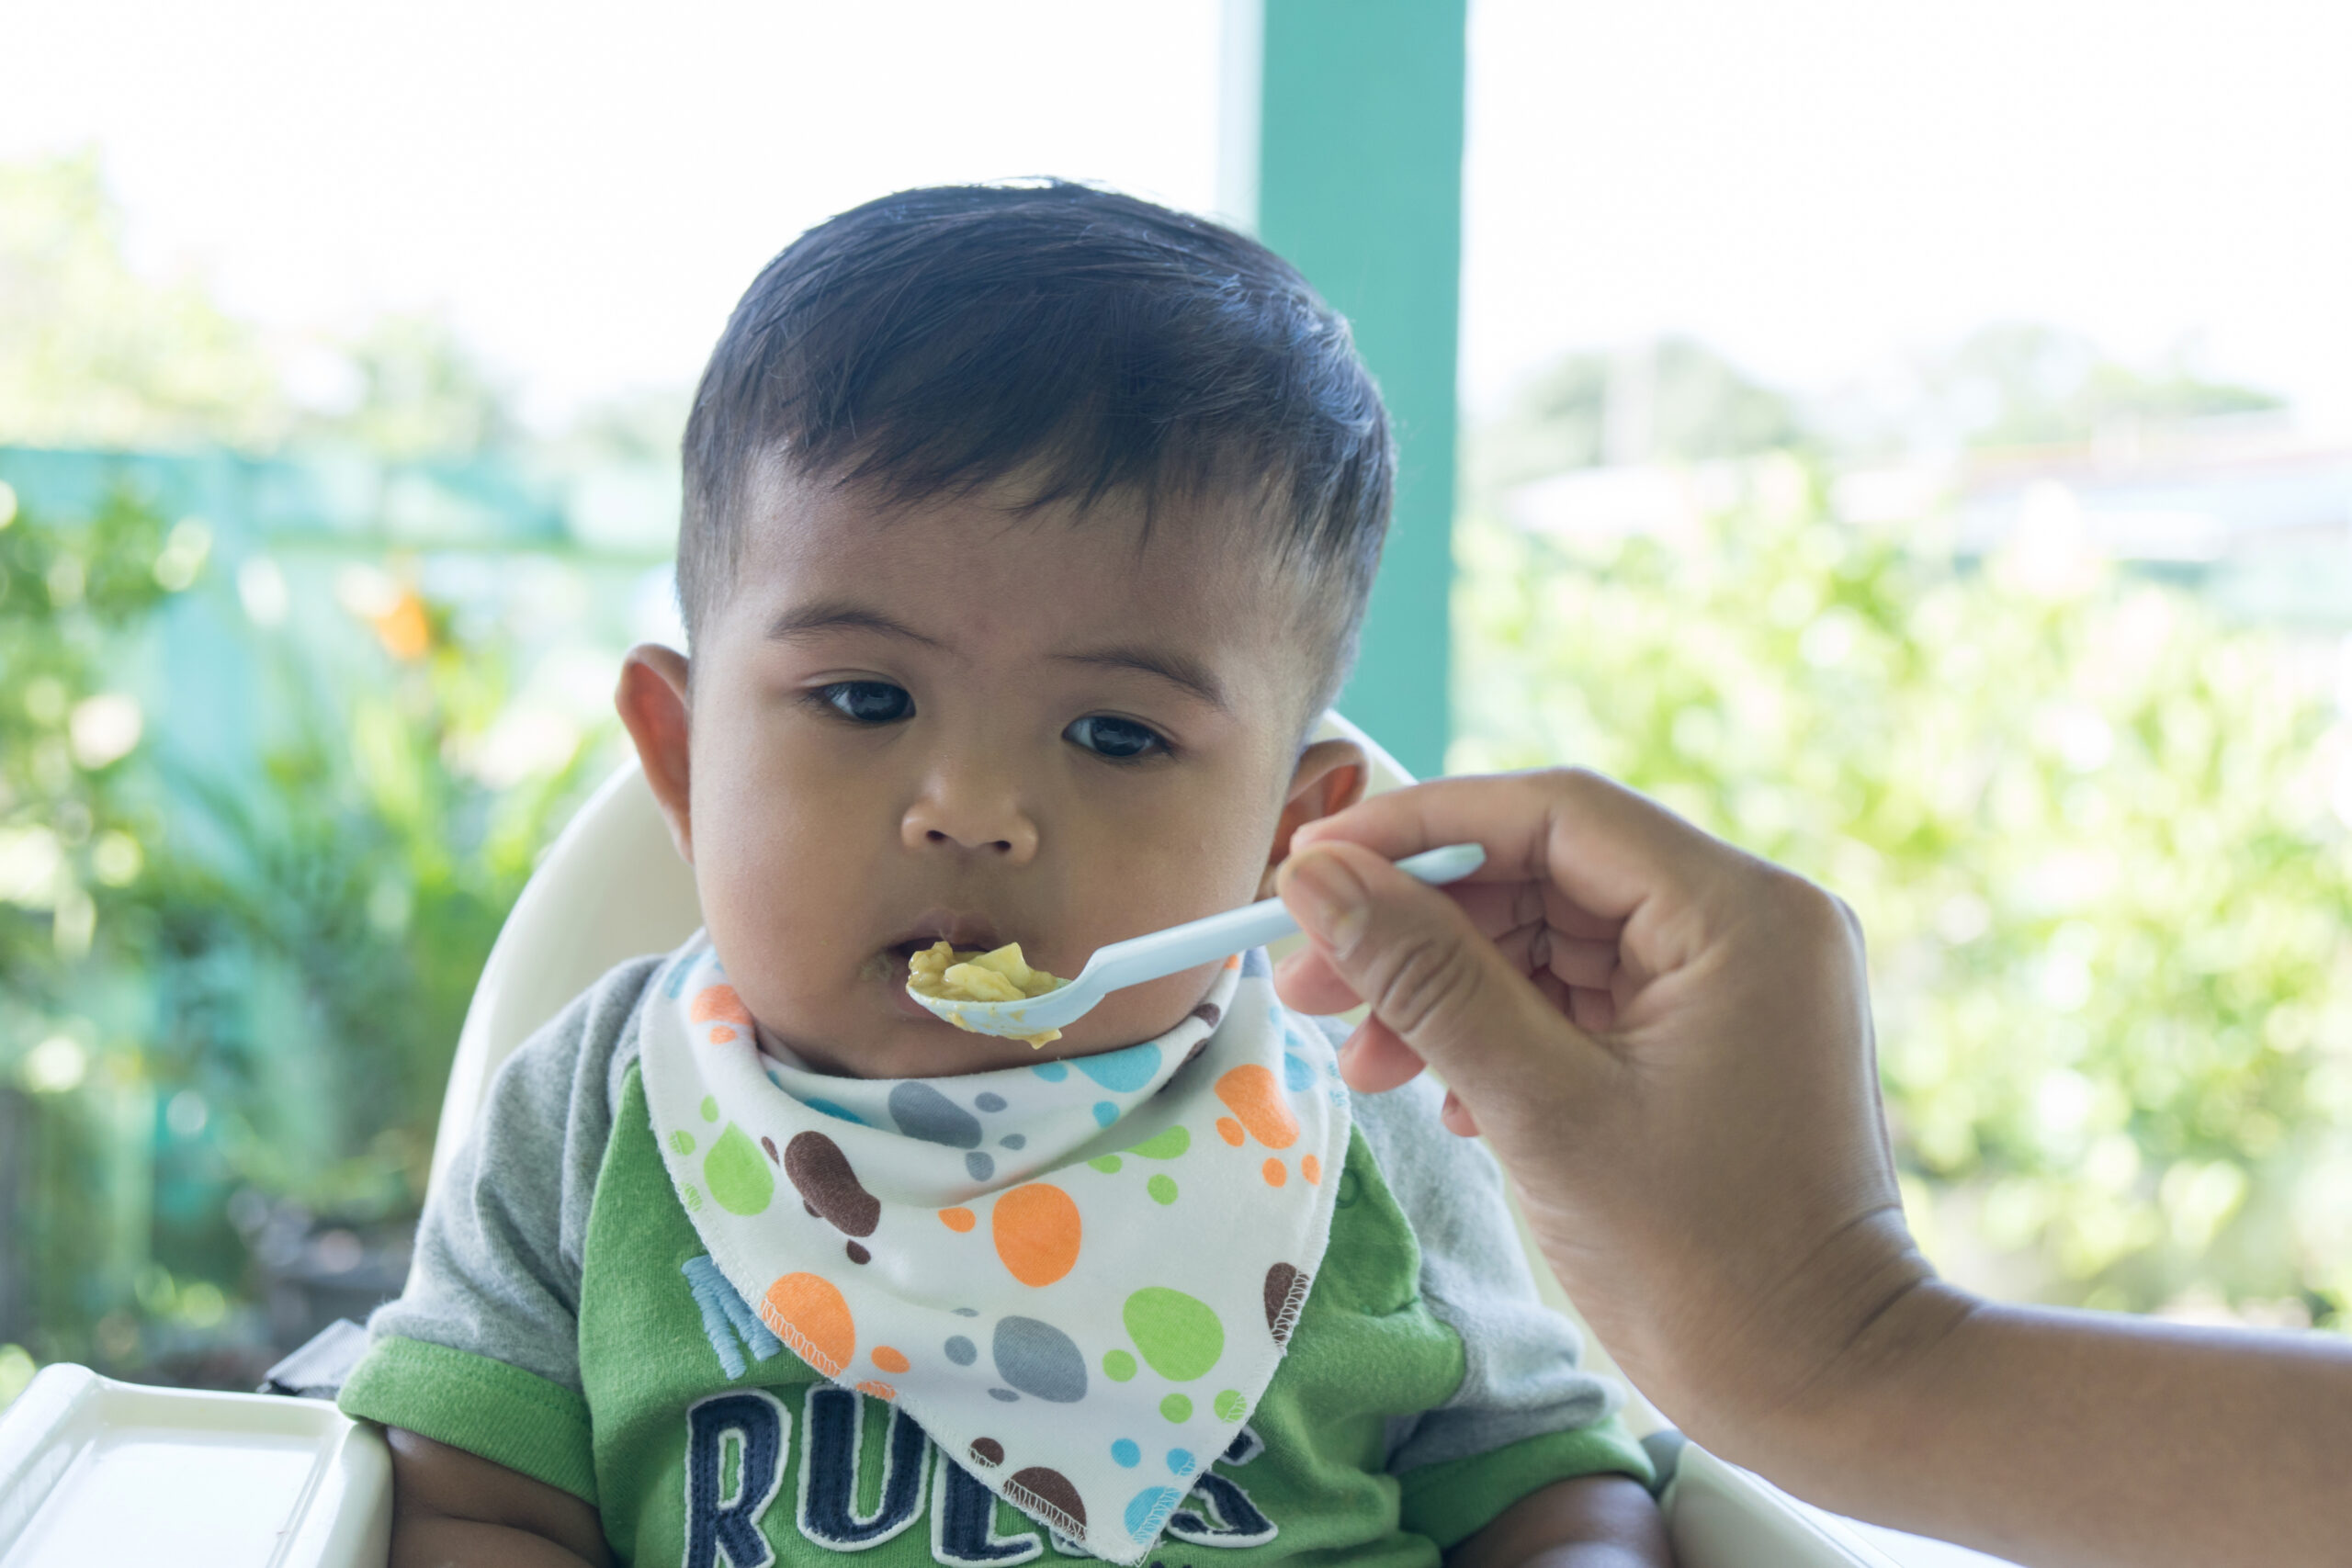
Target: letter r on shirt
<point>723,1522</point>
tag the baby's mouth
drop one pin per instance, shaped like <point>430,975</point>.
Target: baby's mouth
<point>963,932</point>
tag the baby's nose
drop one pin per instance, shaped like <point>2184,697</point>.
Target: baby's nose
<point>972,814</point>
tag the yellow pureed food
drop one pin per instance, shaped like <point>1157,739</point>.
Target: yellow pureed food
<point>942,974</point>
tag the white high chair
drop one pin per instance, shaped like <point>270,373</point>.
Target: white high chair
<point>290,1482</point>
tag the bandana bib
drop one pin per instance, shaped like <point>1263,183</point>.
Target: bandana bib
<point>1078,1276</point>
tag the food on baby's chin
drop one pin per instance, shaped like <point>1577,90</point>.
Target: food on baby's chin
<point>942,974</point>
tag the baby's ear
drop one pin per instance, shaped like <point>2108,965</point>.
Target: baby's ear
<point>653,702</point>
<point>1330,776</point>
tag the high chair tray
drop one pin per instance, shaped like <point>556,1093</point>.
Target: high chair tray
<point>95,1470</point>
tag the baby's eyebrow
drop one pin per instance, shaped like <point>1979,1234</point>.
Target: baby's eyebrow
<point>840,615</point>
<point>1173,668</point>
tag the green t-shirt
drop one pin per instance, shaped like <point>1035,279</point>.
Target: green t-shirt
<point>563,1319</point>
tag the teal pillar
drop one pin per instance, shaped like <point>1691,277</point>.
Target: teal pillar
<point>1358,181</point>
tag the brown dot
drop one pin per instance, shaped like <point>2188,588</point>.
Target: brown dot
<point>829,1188</point>
<point>1285,1294</point>
<point>1208,1013</point>
<point>769,1145</point>
<point>988,1452</point>
<point>811,1208</point>
<point>858,1253</point>
<point>1047,1492</point>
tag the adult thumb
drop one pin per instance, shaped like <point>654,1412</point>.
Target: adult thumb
<point>1413,957</point>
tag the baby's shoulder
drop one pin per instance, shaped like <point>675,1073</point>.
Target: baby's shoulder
<point>573,1066</point>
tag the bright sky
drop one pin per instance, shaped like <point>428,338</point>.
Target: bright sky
<point>1816,186</point>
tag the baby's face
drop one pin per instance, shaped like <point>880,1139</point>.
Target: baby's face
<point>949,722</point>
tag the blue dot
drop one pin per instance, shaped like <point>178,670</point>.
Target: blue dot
<point>1148,1509</point>
<point>1180,1460</point>
<point>1052,1072</point>
<point>1123,1072</point>
<point>1105,1112</point>
<point>966,1312</point>
<point>981,1165</point>
<point>1014,1140</point>
<point>827,1108</point>
<point>991,1102</point>
<point>1005,1394</point>
<point>961,1352</point>
<point>1126,1454</point>
<point>1296,1072</point>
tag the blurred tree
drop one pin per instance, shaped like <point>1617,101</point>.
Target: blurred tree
<point>2022,384</point>
<point>209,989</point>
<point>92,353</point>
<point>2093,834</point>
<point>420,392</point>
<point>78,839</point>
<point>1674,400</point>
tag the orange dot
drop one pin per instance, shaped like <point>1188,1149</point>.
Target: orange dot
<point>1311,1168</point>
<point>719,1002</point>
<point>1251,1093</point>
<point>1036,1232</point>
<point>958,1220</point>
<point>720,1034</point>
<point>1229,1130</point>
<point>807,1313</point>
<point>879,1390</point>
<point>1276,1173</point>
<point>1234,962</point>
<point>888,1359</point>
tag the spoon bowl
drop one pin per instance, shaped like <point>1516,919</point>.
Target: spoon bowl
<point>1160,952</point>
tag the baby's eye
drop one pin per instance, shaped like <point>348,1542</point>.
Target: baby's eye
<point>1117,738</point>
<point>868,702</point>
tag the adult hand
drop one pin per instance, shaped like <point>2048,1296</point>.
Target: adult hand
<point>1667,1041</point>
<point>1669,1044</point>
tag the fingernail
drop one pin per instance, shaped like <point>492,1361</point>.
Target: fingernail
<point>1329,901</point>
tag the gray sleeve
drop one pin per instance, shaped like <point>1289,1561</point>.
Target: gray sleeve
<point>1522,1376</point>
<point>496,1271</point>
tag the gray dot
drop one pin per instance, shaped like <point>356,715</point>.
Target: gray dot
<point>1006,1394</point>
<point>1014,1140</point>
<point>991,1102</point>
<point>966,1312</point>
<point>961,1352</point>
<point>1036,1358</point>
<point>981,1165</point>
<point>921,1112</point>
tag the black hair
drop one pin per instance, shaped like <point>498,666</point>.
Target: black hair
<point>937,341</point>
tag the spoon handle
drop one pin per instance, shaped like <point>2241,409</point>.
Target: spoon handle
<point>1147,957</point>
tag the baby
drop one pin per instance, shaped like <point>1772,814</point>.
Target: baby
<point>1026,535</point>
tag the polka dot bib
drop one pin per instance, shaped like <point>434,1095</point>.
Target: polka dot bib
<point>1078,1276</point>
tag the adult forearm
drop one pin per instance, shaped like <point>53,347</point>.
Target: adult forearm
<point>2068,1439</point>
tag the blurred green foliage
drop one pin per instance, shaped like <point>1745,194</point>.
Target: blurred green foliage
<point>2093,833</point>
<point>216,986</point>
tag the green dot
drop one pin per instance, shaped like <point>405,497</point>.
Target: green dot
<point>1180,1337</point>
<point>693,1195</point>
<point>1107,1164</point>
<point>1164,1145</point>
<point>683,1140</point>
<point>739,1178</point>
<point>1176,1408</point>
<point>1118,1366</point>
<point>1230,1406</point>
<point>1162,1188</point>
<point>709,1109</point>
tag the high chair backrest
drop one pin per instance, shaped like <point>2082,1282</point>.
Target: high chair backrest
<point>614,886</point>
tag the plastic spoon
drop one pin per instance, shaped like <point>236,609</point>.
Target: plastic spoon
<point>1147,957</point>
